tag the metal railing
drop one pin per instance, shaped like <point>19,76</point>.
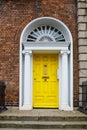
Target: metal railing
<point>83,97</point>
<point>2,95</point>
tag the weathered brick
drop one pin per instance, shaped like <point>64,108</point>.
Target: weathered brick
<point>82,34</point>
<point>82,41</point>
<point>82,19</point>
<point>83,57</point>
<point>82,5</point>
<point>82,12</point>
<point>82,26</point>
<point>83,65</point>
<point>82,49</point>
<point>83,73</point>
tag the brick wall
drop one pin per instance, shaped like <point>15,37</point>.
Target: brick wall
<point>82,42</point>
<point>14,15</point>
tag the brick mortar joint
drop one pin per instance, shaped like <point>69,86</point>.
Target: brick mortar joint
<point>82,8</point>
<point>81,1</point>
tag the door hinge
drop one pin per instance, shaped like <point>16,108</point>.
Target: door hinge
<point>58,73</point>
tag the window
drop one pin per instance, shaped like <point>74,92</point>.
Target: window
<point>45,33</point>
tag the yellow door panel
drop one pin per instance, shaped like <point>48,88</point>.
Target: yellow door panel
<point>45,82</point>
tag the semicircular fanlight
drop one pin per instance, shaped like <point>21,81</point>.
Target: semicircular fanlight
<point>45,33</point>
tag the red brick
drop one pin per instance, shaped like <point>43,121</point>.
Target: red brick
<point>14,16</point>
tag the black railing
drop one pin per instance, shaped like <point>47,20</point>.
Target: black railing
<point>2,95</point>
<point>83,97</point>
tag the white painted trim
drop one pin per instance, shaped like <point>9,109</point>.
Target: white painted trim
<point>65,79</point>
<point>27,80</point>
<point>59,79</point>
<point>45,47</point>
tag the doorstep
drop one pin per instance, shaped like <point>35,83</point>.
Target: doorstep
<point>14,111</point>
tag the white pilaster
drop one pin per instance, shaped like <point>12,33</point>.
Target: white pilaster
<point>65,83</point>
<point>27,104</point>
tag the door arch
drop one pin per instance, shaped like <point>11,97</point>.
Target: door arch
<point>46,35</point>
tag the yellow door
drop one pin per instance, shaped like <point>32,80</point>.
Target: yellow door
<point>45,82</point>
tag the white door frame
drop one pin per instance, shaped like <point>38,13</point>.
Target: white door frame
<point>65,73</point>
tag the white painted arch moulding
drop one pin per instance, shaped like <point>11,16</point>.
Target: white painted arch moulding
<point>64,48</point>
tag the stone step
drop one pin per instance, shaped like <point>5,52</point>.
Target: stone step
<point>51,119</point>
<point>36,129</point>
<point>43,118</point>
<point>44,124</point>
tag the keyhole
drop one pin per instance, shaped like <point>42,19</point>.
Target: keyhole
<point>45,70</point>
<point>45,80</point>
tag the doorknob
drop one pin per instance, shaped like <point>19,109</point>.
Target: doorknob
<point>45,78</point>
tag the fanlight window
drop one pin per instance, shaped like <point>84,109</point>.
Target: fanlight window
<point>45,33</point>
